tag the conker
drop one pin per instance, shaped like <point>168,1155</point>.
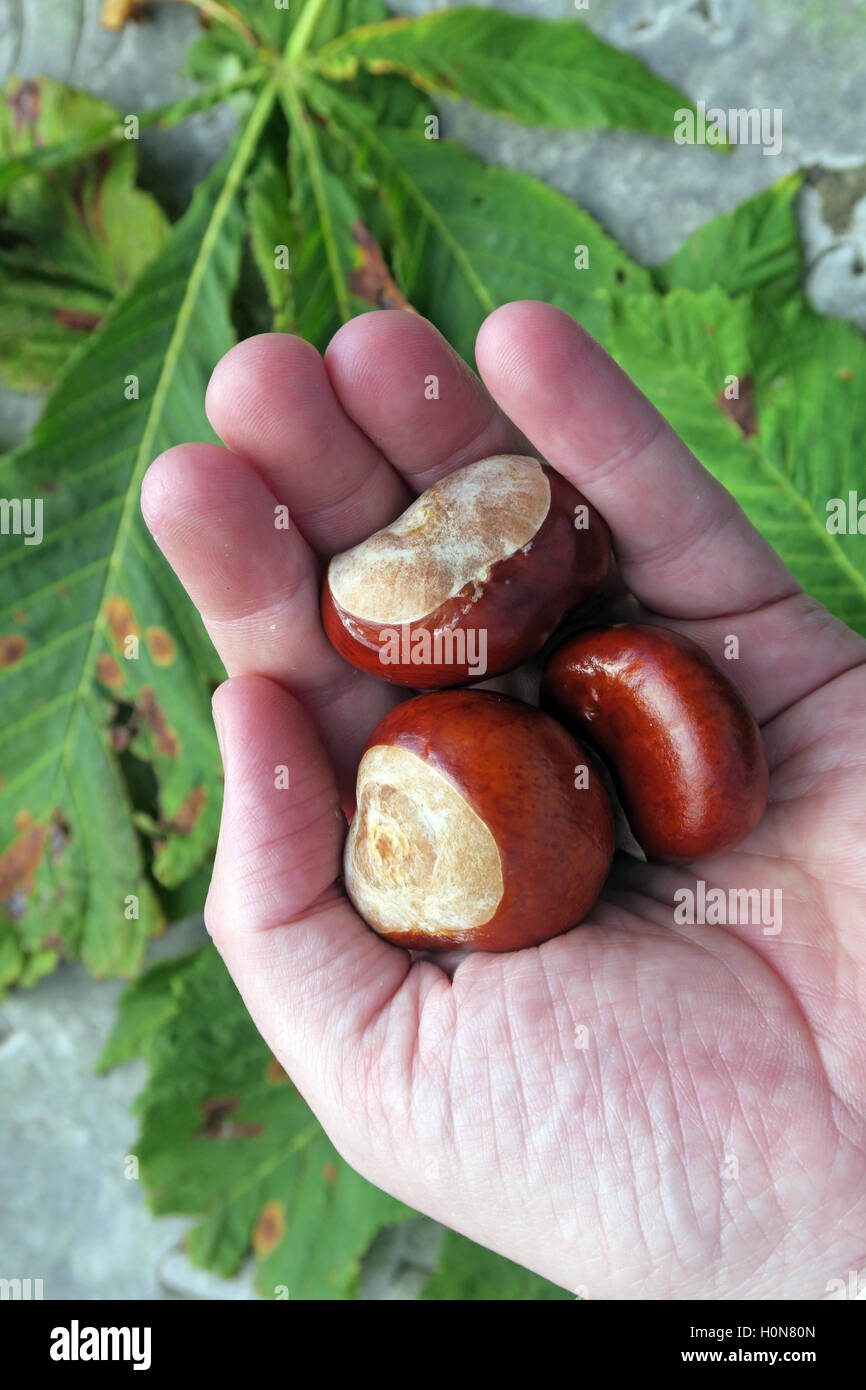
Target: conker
<point>471,580</point>
<point>478,824</point>
<point>682,748</point>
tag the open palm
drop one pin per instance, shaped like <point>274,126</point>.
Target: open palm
<point>634,1109</point>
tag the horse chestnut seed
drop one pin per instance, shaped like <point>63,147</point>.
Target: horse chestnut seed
<point>684,752</point>
<point>472,828</point>
<point>471,580</point>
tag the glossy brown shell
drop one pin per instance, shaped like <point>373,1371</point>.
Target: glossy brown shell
<point>523,600</point>
<point>683,749</point>
<point>515,767</point>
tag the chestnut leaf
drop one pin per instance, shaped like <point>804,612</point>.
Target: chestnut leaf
<point>105,669</point>
<point>226,1138</point>
<point>755,248</point>
<point>468,237</point>
<point>71,242</point>
<point>793,439</point>
<point>540,72</point>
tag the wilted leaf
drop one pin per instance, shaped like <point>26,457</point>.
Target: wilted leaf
<point>107,660</point>
<point>71,241</point>
<point>540,72</point>
<point>116,13</point>
<point>80,136</point>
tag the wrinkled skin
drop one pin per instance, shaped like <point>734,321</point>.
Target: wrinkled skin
<point>704,1136</point>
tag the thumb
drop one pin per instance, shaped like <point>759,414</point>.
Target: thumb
<point>311,973</point>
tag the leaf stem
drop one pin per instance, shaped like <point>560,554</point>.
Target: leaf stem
<point>244,151</point>
<point>302,33</point>
<point>299,122</point>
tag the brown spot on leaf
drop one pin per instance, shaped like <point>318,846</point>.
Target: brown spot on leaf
<point>18,865</point>
<point>371,280</point>
<point>165,739</point>
<point>63,592</point>
<point>216,1110</point>
<point>161,646</point>
<point>845,373</point>
<point>19,615</point>
<point>23,820</point>
<point>190,810</point>
<point>329,1173</point>
<point>122,724</point>
<point>218,1124</point>
<point>12,648</point>
<point>77,320</point>
<point>120,619</point>
<point>269,1229</point>
<point>108,671</point>
<point>741,410</point>
<point>275,1073</point>
<point>59,835</point>
<point>24,105</point>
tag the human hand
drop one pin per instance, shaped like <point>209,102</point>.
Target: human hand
<point>635,1109</point>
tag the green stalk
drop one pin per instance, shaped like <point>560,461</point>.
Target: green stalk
<point>302,33</point>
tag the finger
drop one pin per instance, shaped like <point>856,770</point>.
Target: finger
<point>310,971</point>
<point>271,402</point>
<point>683,545</point>
<point>778,654</point>
<point>415,398</point>
<point>257,589</point>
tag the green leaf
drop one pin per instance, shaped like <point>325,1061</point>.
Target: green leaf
<point>469,1272</point>
<point>338,270</point>
<point>145,1006</point>
<point>41,140</point>
<point>227,1138</point>
<point>754,248</point>
<point>811,405</point>
<point>271,226</point>
<point>100,652</point>
<point>801,418</point>
<point>540,72</point>
<point>338,16</point>
<point>71,242</point>
<point>469,237</point>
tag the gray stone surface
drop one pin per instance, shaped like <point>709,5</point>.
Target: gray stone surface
<point>67,1214</point>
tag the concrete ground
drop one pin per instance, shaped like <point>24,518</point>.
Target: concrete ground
<point>67,1215</point>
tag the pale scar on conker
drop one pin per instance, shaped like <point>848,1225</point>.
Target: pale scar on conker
<point>683,750</point>
<point>471,580</point>
<point>469,829</point>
